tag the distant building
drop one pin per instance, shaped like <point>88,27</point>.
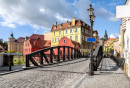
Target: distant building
<point>47,36</point>
<point>15,44</point>
<point>105,36</point>
<point>95,35</point>
<point>35,42</point>
<point>76,30</point>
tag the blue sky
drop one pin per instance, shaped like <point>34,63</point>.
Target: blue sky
<point>26,17</point>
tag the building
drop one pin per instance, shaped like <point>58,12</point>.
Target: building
<point>47,36</point>
<point>15,44</point>
<point>76,30</point>
<point>35,42</point>
<point>67,42</point>
<point>108,45</point>
<point>95,35</point>
<point>116,48</point>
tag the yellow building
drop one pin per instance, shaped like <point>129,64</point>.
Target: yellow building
<point>107,45</point>
<point>76,30</point>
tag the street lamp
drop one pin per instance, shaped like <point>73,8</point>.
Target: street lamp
<point>92,18</point>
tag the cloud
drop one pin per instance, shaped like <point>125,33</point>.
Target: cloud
<point>44,13</point>
<point>37,14</point>
<point>112,4</point>
<point>105,14</point>
<point>115,35</point>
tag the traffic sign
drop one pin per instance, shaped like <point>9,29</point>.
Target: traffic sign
<point>91,39</point>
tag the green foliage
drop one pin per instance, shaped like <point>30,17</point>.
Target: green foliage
<point>18,61</point>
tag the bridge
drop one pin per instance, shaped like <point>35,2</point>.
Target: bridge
<point>68,70</point>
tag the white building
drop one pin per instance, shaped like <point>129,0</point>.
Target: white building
<point>125,27</point>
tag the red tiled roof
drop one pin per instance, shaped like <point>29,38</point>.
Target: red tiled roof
<point>35,36</point>
<point>65,25</point>
<point>48,43</point>
<point>20,39</point>
<point>110,39</point>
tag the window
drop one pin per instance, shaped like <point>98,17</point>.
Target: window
<point>58,39</point>
<point>76,38</point>
<point>71,37</point>
<point>52,39</point>
<point>71,31</point>
<point>68,24</point>
<point>55,27</point>
<point>66,31</point>
<point>29,50</point>
<point>55,40</point>
<point>54,33</point>
<point>85,31</point>
<point>76,29</point>
<point>82,37</point>
<point>83,24</point>
<point>60,25</point>
<point>59,32</point>
<point>64,41</point>
<point>82,29</point>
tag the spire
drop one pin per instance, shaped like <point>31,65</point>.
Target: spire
<point>11,35</point>
<point>105,31</point>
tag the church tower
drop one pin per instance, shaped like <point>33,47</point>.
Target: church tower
<point>11,42</point>
<point>105,36</point>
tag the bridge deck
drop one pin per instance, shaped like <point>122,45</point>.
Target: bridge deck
<point>108,76</point>
<point>70,74</point>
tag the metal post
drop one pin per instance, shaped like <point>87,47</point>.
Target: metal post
<point>91,63</point>
<point>63,53</point>
<point>68,54</point>
<point>71,53</point>
<point>51,55</point>
<point>41,60</point>
<point>27,61</point>
<point>9,64</point>
<point>58,59</point>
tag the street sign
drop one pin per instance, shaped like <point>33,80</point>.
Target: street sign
<point>91,39</point>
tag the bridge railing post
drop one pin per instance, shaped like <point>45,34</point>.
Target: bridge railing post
<point>68,54</point>
<point>58,57</point>
<point>51,53</point>
<point>71,53</point>
<point>27,61</point>
<point>63,53</point>
<point>41,57</point>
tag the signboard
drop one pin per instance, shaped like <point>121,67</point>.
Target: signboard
<point>123,11</point>
<point>91,39</point>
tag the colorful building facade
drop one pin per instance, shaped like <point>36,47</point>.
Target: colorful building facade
<point>76,30</point>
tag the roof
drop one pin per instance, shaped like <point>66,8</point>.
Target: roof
<point>65,25</point>
<point>95,31</point>
<point>110,39</point>
<point>20,39</point>
<point>48,43</point>
<point>35,36</point>
<point>37,43</point>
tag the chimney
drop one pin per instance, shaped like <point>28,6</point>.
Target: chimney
<point>73,21</point>
<point>55,23</point>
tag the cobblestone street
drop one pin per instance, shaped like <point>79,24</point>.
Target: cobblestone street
<point>70,74</point>
<point>62,75</point>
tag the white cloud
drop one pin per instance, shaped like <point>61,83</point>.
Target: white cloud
<point>115,35</point>
<point>112,4</point>
<point>105,14</point>
<point>44,13</point>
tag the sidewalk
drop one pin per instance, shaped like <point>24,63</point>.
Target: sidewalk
<point>108,76</point>
<point>15,67</point>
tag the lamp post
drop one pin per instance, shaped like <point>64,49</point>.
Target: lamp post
<point>92,16</point>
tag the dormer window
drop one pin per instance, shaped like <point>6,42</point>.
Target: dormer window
<point>64,41</point>
<point>55,27</point>
<point>68,24</point>
<point>83,24</point>
<point>61,26</point>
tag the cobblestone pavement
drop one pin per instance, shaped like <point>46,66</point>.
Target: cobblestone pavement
<point>62,75</point>
<point>108,76</point>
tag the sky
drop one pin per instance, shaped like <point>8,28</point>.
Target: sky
<point>27,17</point>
